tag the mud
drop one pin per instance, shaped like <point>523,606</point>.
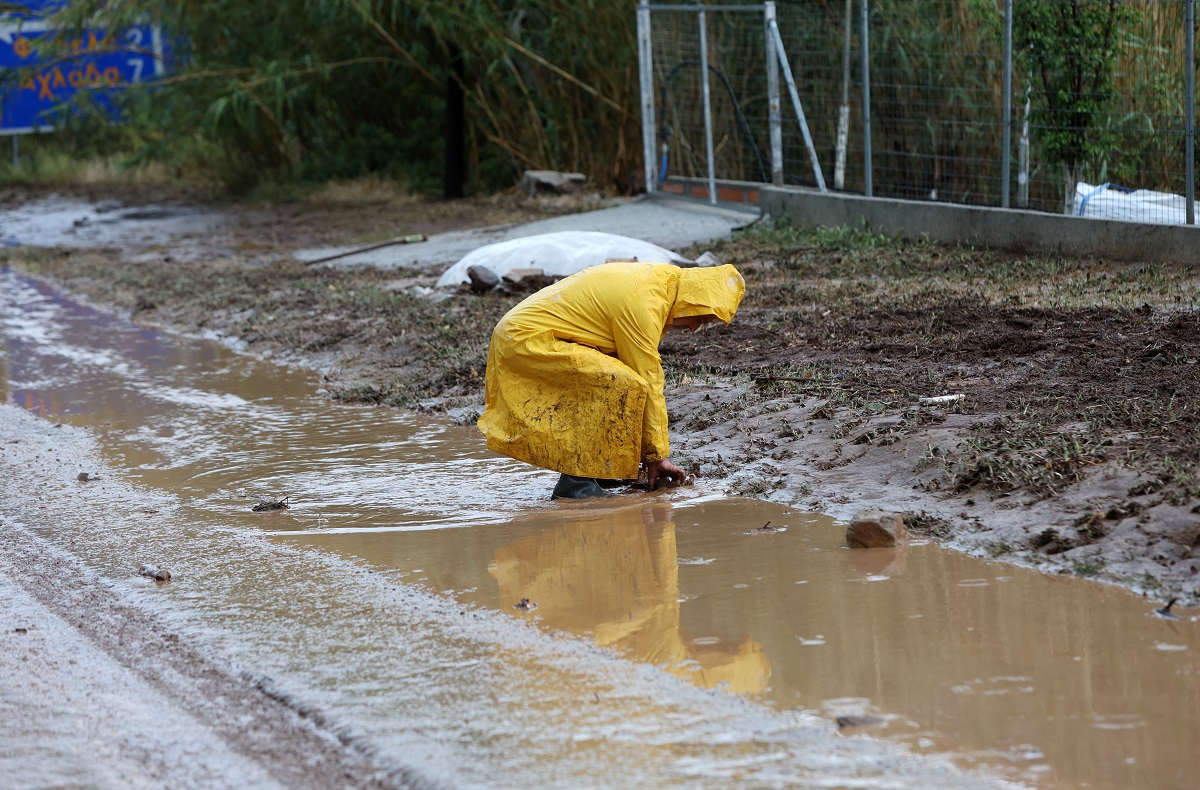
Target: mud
<point>400,684</point>
<point>1074,448</point>
<point>114,697</point>
<point>1052,682</point>
<point>938,652</point>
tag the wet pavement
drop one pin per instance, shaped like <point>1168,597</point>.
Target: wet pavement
<point>665,639</point>
<point>670,223</point>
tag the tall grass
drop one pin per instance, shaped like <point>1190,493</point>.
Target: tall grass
<point>338,88</point>
<point>335,89</point>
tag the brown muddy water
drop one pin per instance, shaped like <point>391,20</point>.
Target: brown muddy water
<point>1050,682</point>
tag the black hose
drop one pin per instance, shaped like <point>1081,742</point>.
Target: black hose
<point>737,109</point>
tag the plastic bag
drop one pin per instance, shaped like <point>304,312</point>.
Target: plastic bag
<point>557,254</point>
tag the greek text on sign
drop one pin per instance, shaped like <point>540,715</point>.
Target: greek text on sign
<point>97,61</point>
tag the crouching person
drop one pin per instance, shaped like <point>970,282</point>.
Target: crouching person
<point>574,380</point>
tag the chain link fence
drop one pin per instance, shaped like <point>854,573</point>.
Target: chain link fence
<point>1066,106</point>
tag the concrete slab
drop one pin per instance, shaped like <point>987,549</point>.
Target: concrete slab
<point>668,222</point>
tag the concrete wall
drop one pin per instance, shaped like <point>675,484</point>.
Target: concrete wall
<point>1006,229</point>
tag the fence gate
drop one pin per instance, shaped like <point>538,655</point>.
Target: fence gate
<point>703,103</point>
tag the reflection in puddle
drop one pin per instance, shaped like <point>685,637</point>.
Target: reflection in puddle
<point>615,576</point>
<point>943,651</point>
<point>1057,682</point>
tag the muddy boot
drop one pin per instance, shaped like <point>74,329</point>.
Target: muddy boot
<point>571,487</point>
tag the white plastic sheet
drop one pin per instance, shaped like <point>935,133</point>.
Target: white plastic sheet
<point>556,254</point>
<point>1140,205</point>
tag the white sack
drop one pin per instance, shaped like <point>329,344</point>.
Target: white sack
<point>556,254</point>
<point>1141,205</point>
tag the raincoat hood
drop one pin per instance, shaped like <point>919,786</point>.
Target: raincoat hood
<point>711,291</point>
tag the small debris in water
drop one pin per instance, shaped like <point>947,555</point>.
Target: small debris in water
<point>765,529</point>
<point>271,504</point>
<point>156,573</point>
<point>854,722</point>
<point>525,605</point>
<point>1165,611</point>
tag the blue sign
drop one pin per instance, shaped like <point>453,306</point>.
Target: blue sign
<point>97,61</point>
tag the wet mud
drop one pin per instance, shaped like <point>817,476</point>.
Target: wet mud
<point>1038,410</point>
<point>181,432</point>
<point>454,614</point>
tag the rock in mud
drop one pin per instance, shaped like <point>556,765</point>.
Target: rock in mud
<point>872,528</point>
<point>156,573</point>
<point>855,722</point>
<point>535,183</point>
<point>482,278</point>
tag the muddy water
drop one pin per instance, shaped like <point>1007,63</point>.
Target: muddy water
<point>1055,682</point>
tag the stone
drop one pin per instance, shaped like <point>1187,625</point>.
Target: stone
<point>517,275</point>
<point>552,182</point>
<point>156,573</point>
<point>872,528</point>
<point>482,278</point>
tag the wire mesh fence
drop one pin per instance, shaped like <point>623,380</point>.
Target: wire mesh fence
<point>1099,100</point>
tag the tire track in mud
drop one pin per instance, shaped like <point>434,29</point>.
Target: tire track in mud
<point>292,743</point>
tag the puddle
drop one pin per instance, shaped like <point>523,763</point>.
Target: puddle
<point>1053,682</point>
<point>1056,682</point>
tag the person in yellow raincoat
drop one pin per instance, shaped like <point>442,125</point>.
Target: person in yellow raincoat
<point>574,381</point>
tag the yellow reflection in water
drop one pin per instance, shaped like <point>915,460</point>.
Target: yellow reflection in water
<point>615,575</point>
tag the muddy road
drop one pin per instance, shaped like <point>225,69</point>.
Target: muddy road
<point>1072,450</point>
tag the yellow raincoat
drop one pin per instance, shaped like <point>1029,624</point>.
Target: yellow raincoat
<point>574,380</point>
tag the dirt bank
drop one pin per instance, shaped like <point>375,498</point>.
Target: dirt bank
<point>1073,447</point>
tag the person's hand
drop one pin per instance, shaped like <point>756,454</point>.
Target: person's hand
<point>656,470</point>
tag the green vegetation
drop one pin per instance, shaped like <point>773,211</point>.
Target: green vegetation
<point>338,89</point>
<point>1071,49</point>
<point>313,90</point>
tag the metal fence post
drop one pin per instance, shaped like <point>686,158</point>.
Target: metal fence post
<point>781,53</point>
<point>646,79</point>
<point>708,131</point>
<point>1006,111</point>
<point>1190,121</point>
<point>866,101</point>
<point>843,129</point>
<point>775,114</point>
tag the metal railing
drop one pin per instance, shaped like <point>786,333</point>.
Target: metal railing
<point>927,101</point>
